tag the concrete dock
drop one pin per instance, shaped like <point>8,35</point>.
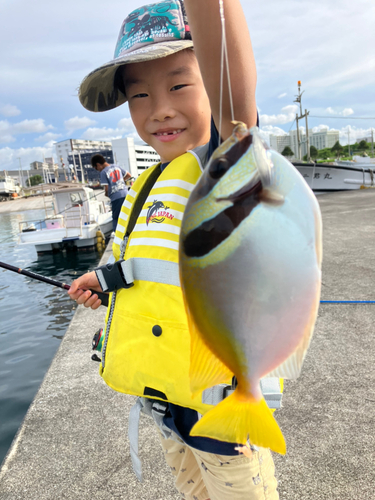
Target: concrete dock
<point>73,442</point>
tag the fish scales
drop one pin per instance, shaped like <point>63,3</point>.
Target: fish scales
<point>250,259</point>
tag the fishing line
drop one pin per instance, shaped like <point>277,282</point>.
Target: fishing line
<point>347,301</point>
<point>224,62</point>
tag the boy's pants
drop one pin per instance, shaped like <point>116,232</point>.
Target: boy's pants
<point>201,476</point>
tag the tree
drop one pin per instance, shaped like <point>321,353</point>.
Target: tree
<point>34,180</point>
<point>323,154</point>
<point>287,152</point>
<point>363,145</point>
<point>337,148</point>
<point>313,152</point>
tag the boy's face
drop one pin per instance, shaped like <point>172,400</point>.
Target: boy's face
<point>168,103</point>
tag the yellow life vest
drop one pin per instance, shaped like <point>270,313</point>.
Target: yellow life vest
<point>146,351</point>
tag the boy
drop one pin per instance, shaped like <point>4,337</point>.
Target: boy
<point>113,179</point>
<point>174,101</point>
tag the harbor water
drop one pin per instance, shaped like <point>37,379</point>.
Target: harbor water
<point>33,318</point>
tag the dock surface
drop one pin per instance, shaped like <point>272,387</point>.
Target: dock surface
<point>73,442</point>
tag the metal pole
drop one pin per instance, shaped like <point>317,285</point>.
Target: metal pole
<point>299,144</point>
<point>349,139</point>
<point>307,137</point>
<point>74,164</point>
<point>372,142</point>
<point>21,172</point>
<point>80,162</point>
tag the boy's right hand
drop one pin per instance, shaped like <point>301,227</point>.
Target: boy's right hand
<point>80,290</point>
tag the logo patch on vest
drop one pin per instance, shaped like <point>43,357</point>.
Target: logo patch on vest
<point>158,212</point>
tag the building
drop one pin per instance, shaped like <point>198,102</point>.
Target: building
<point>82,160</point>
<point>280,142</point>
<point>135,158</point>
<point>320,140</point>
<point>63,148</point>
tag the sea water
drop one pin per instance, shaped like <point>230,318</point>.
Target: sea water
<point>33,318</point>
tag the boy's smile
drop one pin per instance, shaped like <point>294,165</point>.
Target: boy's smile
<point>168,103</point>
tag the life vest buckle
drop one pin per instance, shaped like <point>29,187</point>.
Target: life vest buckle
<point>111,277</point>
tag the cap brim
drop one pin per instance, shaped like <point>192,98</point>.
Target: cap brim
<point>97,91</point>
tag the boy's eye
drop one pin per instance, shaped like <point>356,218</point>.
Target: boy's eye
<point>136,96</point>
<point>178,87</point>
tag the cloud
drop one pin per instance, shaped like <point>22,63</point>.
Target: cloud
<point>49,136</point>
<point>344,112</point>
<point>77,123</point>
<point>281,95</point>
<point>9,110</point>
<point>125,128</point>
<point>288,114</point>
<point>8,130</point>
<point>9,157</point>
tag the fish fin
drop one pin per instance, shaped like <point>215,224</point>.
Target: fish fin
<point>206,369</point>
<point>236,419</point>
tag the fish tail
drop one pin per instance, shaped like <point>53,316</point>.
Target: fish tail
<point>237,419</point>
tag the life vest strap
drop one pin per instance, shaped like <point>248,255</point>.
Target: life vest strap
<point>270,387</point>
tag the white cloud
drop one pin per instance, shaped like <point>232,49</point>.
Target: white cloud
<point>8,130</point>
<point>347,112</point>
<point>77,123</point>
<point>9,110</point>
<point>344,112</point>
<point>281,95</point>
<point>288,114</point>
<point>9,157</point>
<point>125,128</point>
<point>49,136</point>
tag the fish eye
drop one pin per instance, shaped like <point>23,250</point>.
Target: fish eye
<point>219,167</point>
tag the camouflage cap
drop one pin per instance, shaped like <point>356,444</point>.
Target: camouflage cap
<point>150,32</point>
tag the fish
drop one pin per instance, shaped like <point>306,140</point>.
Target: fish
<point>250,258</point>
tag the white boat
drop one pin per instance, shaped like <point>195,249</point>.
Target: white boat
<point>77,220</point>
<point>7,185</point>
<point>338,176</point>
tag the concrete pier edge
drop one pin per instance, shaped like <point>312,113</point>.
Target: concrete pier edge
<point>73,441</point>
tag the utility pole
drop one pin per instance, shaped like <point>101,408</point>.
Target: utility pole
<point>349,139</point>
<point>372,142</point>
<point>299,100</point>
<point>21,174</point>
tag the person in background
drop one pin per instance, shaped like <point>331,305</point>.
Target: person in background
<point>113,178</point>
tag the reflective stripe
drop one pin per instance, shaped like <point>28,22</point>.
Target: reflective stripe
<point>170,198</point>
<point>132,193</point>
<point>167,228</point>
<point>154,242</point>
<point>155,270</point>
<point>123,216</point>
<point>127,204</point>
<point>174,183</point>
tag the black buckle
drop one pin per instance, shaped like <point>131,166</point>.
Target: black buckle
<point>111,277</point>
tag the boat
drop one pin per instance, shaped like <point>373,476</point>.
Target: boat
<point>338,176</point>
<point>77,220</point>
<point>8,187</point>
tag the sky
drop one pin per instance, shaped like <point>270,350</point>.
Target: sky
<point>47,48</point>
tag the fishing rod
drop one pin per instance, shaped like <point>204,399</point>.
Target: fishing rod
<point>102,296</point>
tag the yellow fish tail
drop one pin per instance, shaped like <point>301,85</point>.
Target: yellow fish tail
<point>236,420</point>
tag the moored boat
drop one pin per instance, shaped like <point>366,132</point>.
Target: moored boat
<point>77,220</point>
<point>338,176</point>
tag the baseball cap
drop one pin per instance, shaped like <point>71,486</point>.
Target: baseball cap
<point>149,32</point>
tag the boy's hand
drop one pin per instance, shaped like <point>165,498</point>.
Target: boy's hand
<point>79,290</point>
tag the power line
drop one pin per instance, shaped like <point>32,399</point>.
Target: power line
<point>346,117</point>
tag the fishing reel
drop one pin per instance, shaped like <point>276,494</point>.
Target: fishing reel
<point>97,344</point>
